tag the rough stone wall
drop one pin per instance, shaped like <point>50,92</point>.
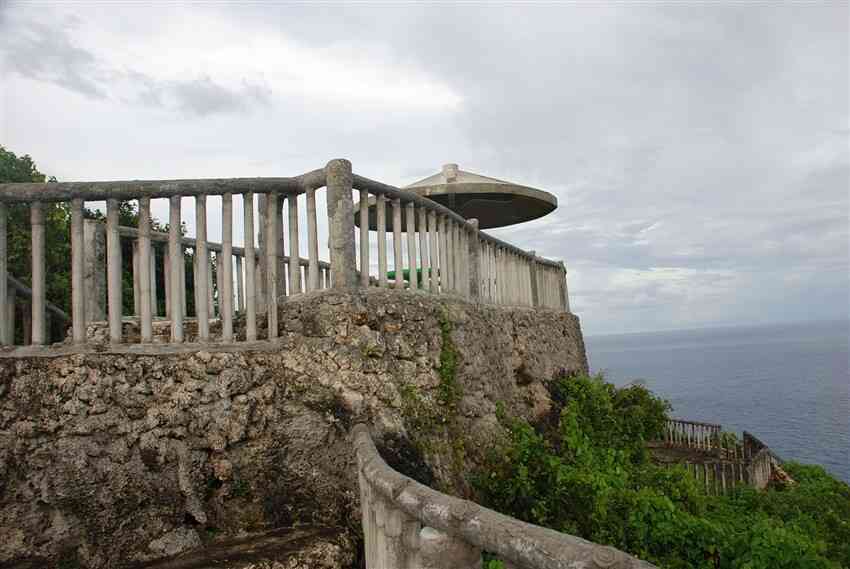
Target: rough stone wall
<point>107,459</point>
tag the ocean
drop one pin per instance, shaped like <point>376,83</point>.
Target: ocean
<point>787,384</point>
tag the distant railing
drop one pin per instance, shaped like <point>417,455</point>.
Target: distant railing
<point>446,254</point>
<point>718,461</point>
<point>407,525</point>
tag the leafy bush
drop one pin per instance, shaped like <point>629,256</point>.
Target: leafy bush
<point>586,471</point>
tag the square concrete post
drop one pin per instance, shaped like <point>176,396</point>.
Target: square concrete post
<point>474,265</point>
<point>341,216</point>
<point>94,250</point>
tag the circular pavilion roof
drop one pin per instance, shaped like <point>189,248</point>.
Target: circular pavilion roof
<point>494,203</point>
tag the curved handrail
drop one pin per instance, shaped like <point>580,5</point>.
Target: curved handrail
<point>526,545</point>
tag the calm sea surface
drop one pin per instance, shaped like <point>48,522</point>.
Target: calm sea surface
<point>787,384</point>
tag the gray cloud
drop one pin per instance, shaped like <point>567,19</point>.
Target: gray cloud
<point>49,54</point>
<point>699,152</point>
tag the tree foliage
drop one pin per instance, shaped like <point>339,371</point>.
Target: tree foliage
<point>17,169</point>
<point>587,472</point>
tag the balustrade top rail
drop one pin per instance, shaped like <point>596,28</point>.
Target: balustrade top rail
<point>124,190</point>
<point>398,512</point>
<point>443,253</point>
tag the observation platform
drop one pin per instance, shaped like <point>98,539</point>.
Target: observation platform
<point>493,202</point>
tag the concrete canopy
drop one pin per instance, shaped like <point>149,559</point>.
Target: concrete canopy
<point>493,202</point>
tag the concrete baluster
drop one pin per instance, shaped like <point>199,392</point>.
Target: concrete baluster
<point>219,285</point>
<point>450,256</point>
<point>37,304</point>
<point>283,263</point>
<point>444,256</point>
<point>341,214</point>
<point>175,270</point>
<point>533,270</point>
<point>474,260</point>
<point>202,269</point>
<point>394,550</point>
<point>294,246</point>
<point>143,262</point>
<point>410,218</point>
<point>271,240</point>
<point>424,257</point>
<point>434,253</point>
<point>366,516</point>
<point>398,263</point>
<point>250,268</point>
<point>78,295</point>
<point>9,328</point>
<point>364,238</point>
<point>184,284</point>
<point>166,273</point>
<point>225,289</point>
<point>137,290</point>
<point>442,551</point>
<point>313,273</point>
<point>262,257</point>
<point>240,284</point>
<point>5,337</point>
<point>113,272</point>
<point>152,273</point>
<point>410,539</point>
<point>210,287</point>
<point>381,224</point>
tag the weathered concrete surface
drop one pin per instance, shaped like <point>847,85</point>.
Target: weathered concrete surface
<point>109,459</point>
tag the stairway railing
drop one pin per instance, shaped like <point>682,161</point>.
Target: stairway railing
<point>407,525</point>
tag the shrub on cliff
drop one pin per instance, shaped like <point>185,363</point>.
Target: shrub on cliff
<point>587,472</point>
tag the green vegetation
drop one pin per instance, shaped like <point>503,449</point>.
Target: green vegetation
<point>57,216</point>
<point>587,472</point>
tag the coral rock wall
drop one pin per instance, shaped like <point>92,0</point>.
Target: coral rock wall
<point>109,459</point>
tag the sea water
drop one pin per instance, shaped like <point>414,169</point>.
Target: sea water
<point>787,384</point>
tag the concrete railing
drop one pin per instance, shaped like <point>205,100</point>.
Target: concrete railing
<point>407,525</point>
<point>720,463</point>
<point>692,434</point>
<point>446,254</point>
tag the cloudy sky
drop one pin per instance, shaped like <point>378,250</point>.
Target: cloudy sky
<point>700,152</point>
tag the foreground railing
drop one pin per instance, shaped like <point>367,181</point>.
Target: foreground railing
<point>407,525</point>
<point>719,462</point>
<point>445,254</point>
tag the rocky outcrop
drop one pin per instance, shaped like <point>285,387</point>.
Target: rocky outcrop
<point>109,459</point>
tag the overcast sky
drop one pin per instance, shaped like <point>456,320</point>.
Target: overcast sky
<point>700,153</point>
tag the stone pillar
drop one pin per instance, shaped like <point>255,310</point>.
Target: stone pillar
<point>94,270</point>
<point>341,216</point>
